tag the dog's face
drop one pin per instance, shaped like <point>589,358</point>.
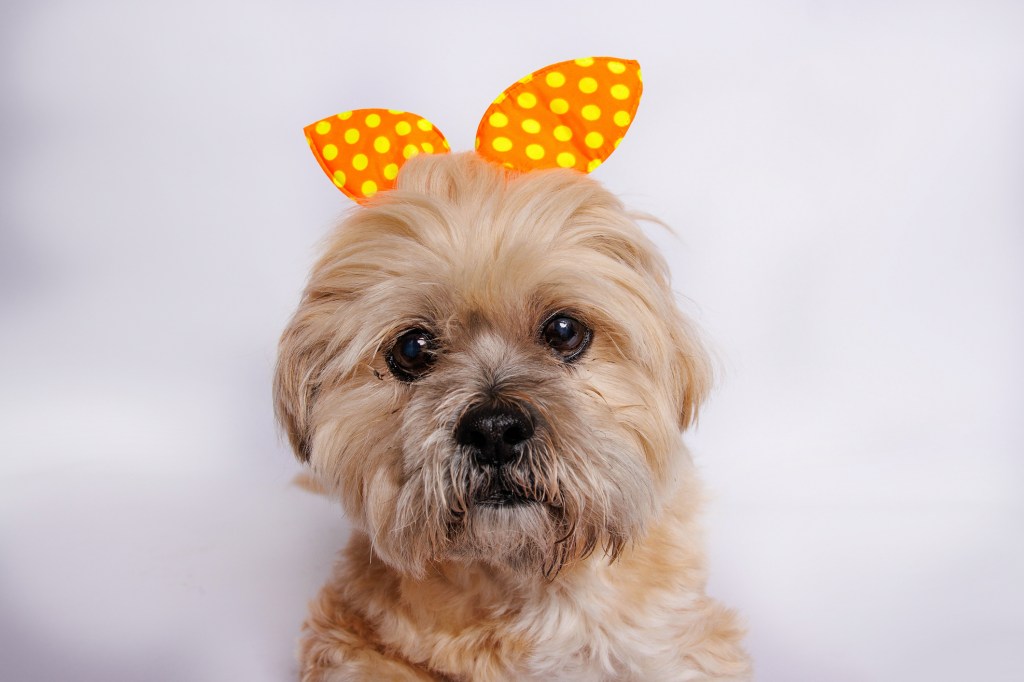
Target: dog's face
<point>491,367</point>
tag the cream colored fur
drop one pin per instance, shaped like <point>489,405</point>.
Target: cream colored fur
<point>602,576</point>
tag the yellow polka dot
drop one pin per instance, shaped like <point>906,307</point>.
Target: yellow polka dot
<point>373,120</point>
<point>424,125</point>
<point>588,85</point>
<point>594,140</point>
<point>591,112</point>
<point>382,144</point>
<point>330,152</point>
<point>566,160</point>
<point>445,144</point>
<point>360,162</point>
<point>391,171</point>
<point>427,147</point>
<point>526,79</point>
<point>351,136</point>
<point>535,151</point>
<point>345,115</point>
<point>585,61</point>
<point>616,67</point>
<point>563,133</point>
<point>501,144</point>
<point>500,98</point>
<point>476,145</point>
<point>621,118</point>
<point>508,164</point>
<point>339,178</point>
<point>555,79</point>
<point>592,165</point>
<point>403,128</point>
<point>559,105</point>
<point>323,127</point>
<point>640,75</point>
<point>617,142</point>
<point>410,151</point>
<point>498,119</point>
<point>369,188</point>
<point>531,126</point>
<point>527,100</point>
<point>620,91</point>
<point>395,111</point>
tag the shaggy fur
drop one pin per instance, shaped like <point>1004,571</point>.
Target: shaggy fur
<point>600,576</point>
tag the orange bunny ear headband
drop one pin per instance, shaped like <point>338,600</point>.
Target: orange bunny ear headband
<point>568,115</point>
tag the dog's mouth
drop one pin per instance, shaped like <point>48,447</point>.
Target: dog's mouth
<point>502,494</point>
<point>502,498</point>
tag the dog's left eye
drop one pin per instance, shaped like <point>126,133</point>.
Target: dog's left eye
<point>566,336</point>
<point>412,355</point>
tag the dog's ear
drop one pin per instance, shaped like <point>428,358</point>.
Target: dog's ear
<point>693,369</point>
<point>300,362</point>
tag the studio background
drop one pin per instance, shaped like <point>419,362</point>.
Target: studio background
<point>844,179</point>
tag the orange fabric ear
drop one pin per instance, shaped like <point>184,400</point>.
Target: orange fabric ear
<point>362,150</point>
<point>568,115</point>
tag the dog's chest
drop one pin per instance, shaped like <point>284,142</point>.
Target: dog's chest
<point>591,631</point>
<point>600,635</point>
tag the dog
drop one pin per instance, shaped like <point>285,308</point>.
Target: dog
<point>491,373</point>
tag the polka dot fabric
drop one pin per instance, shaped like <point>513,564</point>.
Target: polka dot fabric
<point>568,115</point>
<point>362,150</point>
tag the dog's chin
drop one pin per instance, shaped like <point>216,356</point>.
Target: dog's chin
<point>508,519</point>
<point>504,528</point>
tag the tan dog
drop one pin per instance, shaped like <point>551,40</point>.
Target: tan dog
<point>490,371</point>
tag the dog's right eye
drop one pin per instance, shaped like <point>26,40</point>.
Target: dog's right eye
<point>412,355</point>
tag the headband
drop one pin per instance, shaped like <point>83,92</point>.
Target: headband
<point>568,115</point>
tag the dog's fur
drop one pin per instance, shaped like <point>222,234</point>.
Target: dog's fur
<point>602,576</point>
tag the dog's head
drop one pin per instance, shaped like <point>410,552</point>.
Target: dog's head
<point>491,367</point>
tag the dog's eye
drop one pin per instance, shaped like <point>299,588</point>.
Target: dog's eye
<point>566,336</point>
<point>412,355</point>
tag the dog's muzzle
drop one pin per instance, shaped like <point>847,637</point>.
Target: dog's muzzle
<point>497,438</point>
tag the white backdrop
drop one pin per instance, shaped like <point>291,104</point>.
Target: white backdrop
<point>846,182</point>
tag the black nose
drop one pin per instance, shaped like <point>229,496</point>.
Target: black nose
<point>494,434</point>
